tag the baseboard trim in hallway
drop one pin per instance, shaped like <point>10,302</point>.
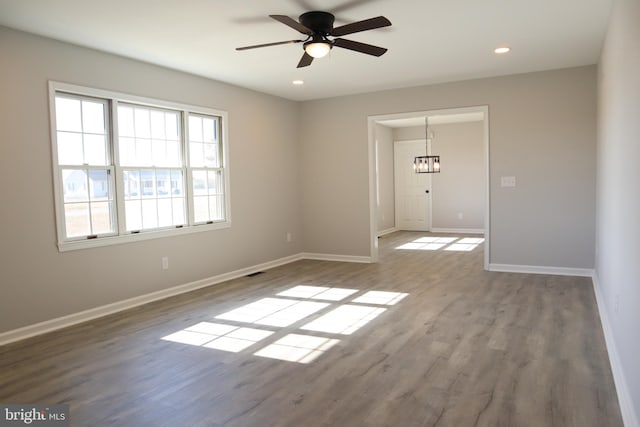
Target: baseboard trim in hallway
<point>625,401</point>
<point>536,269</point>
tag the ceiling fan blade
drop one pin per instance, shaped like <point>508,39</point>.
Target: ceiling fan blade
<point>349,4</point>
<point>305,61</point>
<point>369,49</point>
<point>255,46</point>
<point>356,27</point>
<point>286,20</point>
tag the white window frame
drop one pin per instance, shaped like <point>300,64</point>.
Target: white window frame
<point>113,98</point>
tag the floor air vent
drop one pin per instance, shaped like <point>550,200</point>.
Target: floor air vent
<point>255,274</point>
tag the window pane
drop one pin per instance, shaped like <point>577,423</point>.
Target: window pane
<point>70,148</point>
<point>215,208</point>
<point>75,186</point>
<point>178,211</point>
<point>125,121</point>
<point>93,117</point>
<point>127,151</point>
<point>165,213</point>
<point>174,158</point>
<point>133,215</point>
<point>171,123</point>
<point>98,185</point>
<point>201,208</point>
<point>213,181</point>
<point>144,157</point>
<point>209,130</point>
<point>199,182</point>
<point>95,150</point>
<point>76,217</point>
<point>195,129</point>
<point>163,183</point>
<point>131,184</point>
<point>101,219</point>
<point>177,185</point>
<point>156,134</point>
<point>68,115</point>
<point>158,130</point>
<point>142,123</point>
<point>149,213</point>
<point>147,183</point>
<point>211,155</point>
<point>196,155</point>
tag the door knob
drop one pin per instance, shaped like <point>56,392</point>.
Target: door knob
<point>426,191</point>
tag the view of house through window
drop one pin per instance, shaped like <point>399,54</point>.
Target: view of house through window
<point>146,167</point>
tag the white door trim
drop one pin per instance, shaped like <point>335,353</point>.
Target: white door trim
<point>373,178</point>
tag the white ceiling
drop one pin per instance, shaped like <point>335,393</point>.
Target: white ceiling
<point>430,41</point>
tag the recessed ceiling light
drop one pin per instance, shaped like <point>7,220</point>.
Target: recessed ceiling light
<point>502,49</point>
<point>298,82</point>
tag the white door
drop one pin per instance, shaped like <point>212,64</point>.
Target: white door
<point>412,190</point>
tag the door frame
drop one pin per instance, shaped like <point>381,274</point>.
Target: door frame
<point>429,182</point>
<point>373,171</point>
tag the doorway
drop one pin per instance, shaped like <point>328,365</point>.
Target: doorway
<point>477,113</point>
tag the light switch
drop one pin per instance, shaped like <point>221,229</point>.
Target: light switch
<point>507,181</point>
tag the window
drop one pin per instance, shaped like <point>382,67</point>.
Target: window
<point>130,168</point>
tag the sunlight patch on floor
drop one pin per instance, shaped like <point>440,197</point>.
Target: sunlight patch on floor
<point>344,311</point>
<point>344,320</point>
<point>297,348</point>
<point>317,292</point>
<point>273,312</point>
<point>433,243</point>
<point>219,336</point>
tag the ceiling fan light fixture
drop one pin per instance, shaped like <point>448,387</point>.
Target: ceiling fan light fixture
<point>317,49</point>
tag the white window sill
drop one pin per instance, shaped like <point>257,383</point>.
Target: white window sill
<point>136,237</point>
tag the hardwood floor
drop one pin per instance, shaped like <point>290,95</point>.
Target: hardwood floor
<point>464,347</point>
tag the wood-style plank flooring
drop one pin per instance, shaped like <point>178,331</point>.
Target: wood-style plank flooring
<point>464,347</point>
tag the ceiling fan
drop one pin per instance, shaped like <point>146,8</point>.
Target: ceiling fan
<point>318,27</point>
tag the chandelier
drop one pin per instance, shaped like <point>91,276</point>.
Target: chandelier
<point>426,163</point>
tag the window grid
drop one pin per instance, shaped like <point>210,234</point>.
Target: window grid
<point>205,161</point>
<point>83,160</point>
<point>147,165</point>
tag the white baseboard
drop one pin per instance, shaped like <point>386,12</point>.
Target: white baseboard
<point>535,269</point>
<point>387,231</point>
<point>629,417</point>
<point>93,313</point>
<point>458,230</point>
<point>339,258</point>
<point>104,310</point>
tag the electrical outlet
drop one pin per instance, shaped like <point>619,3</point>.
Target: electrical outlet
<point>507,181</point>
<point>289,238</point>
<point>460,215</point>
<point>616,303</point>
<point>165,263</point>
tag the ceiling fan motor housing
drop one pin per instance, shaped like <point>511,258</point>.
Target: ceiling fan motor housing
<point>319,22</point>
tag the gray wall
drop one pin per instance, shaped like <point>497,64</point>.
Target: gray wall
<point>40,283</point>
<point>459,187</point>
<point>542,130</point>
<point>618,193</point>
<point>386,192</point>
